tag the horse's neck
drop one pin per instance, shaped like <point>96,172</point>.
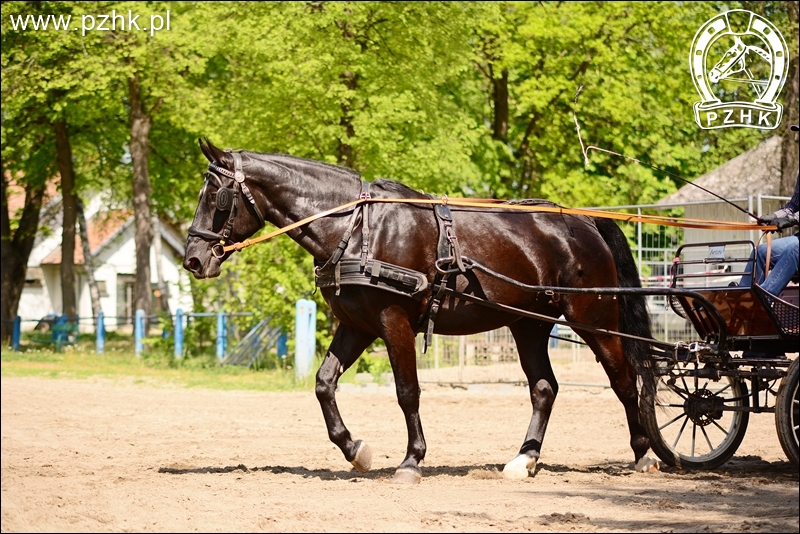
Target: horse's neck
<point>303,192</point>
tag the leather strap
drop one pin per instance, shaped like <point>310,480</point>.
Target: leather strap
<point>365,196</point>
<point>345,240</point>
<point>502,205</point>
<point>238,176</point>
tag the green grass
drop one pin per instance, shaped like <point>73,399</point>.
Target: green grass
<point>157,365</point>
<point>153,367</point>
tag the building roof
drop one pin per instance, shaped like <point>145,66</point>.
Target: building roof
<point>757,171</point>
<point>15,194</point>
<point>101,229</point>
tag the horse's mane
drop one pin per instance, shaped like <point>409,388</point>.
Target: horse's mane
<point>390,186</point>
<point>271,158</point>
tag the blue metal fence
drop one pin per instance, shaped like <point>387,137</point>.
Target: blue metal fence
<point>305,338</point>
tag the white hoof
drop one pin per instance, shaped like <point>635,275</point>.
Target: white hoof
<point>363,460</point>
<point>646,465</point>
<point>520,467</point>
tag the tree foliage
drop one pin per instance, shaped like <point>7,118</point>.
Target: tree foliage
<point>475,99</point>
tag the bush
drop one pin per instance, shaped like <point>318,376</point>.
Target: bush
<point>374,364</point>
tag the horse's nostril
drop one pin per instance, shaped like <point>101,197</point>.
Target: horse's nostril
<point>192,264</point>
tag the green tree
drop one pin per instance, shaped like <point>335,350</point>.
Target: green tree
<point>627,61</point>
<point>44,75</point>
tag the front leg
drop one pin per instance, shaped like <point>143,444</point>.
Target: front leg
<point>347,346</point>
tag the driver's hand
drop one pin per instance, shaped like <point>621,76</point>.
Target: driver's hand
<point>767,220</point>
<point>785,222</point>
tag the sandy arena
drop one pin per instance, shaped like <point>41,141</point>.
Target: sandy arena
<point>103,455</point>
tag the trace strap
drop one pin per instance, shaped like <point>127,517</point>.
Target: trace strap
<point>503,205</point>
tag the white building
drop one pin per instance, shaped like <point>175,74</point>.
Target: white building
<point>111,241</point>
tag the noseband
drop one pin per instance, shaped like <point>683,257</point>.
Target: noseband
<point>227,199</point>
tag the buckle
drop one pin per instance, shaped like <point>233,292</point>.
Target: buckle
<point>365,196</point>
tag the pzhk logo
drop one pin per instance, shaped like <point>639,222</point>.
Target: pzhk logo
<point>739,75</point>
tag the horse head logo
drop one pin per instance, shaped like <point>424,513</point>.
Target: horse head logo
<point>758,59</point>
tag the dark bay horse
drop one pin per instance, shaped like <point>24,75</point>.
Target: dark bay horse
<point>541,249</point>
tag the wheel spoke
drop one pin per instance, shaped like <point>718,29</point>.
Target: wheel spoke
<point>685,385</point>
<point>722,429</point>
<point>662,427</point>
<point>723,389</point>
<point>694,435</point>
<point>675,443</point>
<point>680,393</point>
<point>705,434</point>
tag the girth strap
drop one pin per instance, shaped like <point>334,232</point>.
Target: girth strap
<point>365,223</point>
<point>448,251</point>
<point>448,255</point>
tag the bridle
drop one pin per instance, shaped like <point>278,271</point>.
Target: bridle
<point>227,199</point>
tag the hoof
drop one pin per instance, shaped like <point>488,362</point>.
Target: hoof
<point>363,460</point>
<point>646,465</point>
<point>407,476</point>
<point>519,468</point>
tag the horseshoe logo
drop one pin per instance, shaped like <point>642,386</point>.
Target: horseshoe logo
<point>735,66</point>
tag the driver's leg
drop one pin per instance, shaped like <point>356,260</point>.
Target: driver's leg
<point>784,259</point>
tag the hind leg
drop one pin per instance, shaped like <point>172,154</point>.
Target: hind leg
<point>399,336</point>
<point>532,338</point>
<point>622,377</point>
<point>348,344</point>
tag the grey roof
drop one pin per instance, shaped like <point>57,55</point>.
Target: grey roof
<point>756,171</point>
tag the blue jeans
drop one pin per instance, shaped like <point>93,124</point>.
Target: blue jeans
<point>783,259</point>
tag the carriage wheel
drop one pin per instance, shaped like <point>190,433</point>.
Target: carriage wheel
<point>787,412</point>
<point>687,427</point>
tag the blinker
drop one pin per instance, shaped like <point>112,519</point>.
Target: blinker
<point>224,200</point>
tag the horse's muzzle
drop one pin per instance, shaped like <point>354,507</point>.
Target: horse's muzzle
<point>194,265</point>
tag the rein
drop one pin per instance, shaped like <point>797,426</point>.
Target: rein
<point>503,205</point>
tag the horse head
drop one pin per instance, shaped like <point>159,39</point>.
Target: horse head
<point>731,62</point>
<point>226,213</point>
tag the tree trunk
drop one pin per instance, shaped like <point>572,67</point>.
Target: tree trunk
<point>143,237</point>
<point>789,157</point>
<point>500,96</point>
<point>88,262</point>
<point>163,295</point>
<point>69,207</point>
<point>345,149</point>
<point>15,249</point>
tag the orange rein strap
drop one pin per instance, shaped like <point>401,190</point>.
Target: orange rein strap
<point>501,205</point>
<point>769,253</point>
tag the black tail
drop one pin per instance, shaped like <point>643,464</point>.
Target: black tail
<point>633,316</point>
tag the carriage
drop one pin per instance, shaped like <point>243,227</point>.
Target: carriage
<point>708,387</point>
<point>392,262</point>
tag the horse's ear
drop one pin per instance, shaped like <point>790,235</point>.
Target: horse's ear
<point>212,153</point>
